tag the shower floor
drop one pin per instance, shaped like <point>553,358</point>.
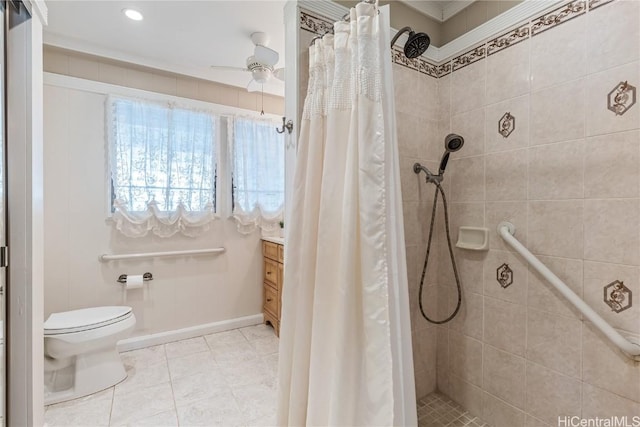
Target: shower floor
<point>437,410</point>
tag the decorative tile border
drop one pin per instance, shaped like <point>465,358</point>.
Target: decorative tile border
<point>417,64</point>
<point>508,39</point>
<point>469,57</point>
<point>558,16</point>
<point>314,23</point>
<point>444,69</point>
<point>537,25</point>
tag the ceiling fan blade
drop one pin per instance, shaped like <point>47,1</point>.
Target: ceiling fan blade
<point>266,56</point>
<point>278,73</point>
<point>228,68</point>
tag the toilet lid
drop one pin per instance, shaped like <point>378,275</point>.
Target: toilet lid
<point>84,319</point>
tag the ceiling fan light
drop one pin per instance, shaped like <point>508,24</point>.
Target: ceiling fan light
<point>133,14</point>
<point>278,73</point>
<point>261,75</point>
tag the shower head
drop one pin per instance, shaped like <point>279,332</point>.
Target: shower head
<point>416,45</point>
<point>452,143</point>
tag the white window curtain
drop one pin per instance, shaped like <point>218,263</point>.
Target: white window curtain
<point>257,158</point>
<point>162,167</point>
<point>345,338</point>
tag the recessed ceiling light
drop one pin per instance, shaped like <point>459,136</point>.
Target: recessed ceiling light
<point>133,14</point>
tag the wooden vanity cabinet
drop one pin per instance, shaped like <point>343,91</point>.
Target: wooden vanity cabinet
<point>272,278</point>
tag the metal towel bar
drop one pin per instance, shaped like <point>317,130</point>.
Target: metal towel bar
<point>631,349</point>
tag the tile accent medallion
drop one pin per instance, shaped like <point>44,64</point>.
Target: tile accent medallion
<point>508,39</point>
<point>621,98</point>
<point>504,275</point>
<point>558,16</point>
<point>469,57</point>
<point>618,296</point>
<point>506,125</point>
<point>315,23</point>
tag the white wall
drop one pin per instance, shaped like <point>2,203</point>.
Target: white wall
<point>184,292</point>
<point>24,145</point>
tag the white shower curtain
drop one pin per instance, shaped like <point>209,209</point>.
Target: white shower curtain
<point>345,342</point>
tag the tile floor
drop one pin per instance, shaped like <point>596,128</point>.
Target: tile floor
<point>223,379</point>
<point>437,410</point>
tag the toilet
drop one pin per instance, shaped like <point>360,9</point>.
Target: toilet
<point>80,354</point>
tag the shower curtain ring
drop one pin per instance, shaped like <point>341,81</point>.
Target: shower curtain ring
<point>286,125</point>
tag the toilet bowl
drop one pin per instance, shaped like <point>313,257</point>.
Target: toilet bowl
<point>80,355</point>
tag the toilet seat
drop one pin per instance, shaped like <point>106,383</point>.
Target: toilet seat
<point>85,319</point>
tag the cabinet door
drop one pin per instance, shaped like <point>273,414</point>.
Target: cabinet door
<point>271,271</point>
<point>270,299</point>
<point>280,253</point>
<point>280,284</point>
<point>270,250</point>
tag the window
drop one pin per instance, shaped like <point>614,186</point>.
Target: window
<point>164,164</point>
<point>258,173</point>
<point>163,167</point>
<point>164,154</point>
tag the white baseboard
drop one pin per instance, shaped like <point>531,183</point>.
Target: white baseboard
<point>143,341</point>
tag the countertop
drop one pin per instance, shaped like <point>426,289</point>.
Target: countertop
<point>278,240</point>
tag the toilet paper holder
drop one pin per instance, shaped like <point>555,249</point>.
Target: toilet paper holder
<point>146,277</point>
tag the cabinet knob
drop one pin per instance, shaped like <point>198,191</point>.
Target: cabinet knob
<point>269,299</point>
<point>268,273</point>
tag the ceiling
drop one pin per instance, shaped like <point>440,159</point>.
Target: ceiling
<point>184,37</point>
<point>440,10</point>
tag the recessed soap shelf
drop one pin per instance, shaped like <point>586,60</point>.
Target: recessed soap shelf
<point>473,238</point>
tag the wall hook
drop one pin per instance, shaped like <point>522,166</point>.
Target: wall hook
<point>286,125</point>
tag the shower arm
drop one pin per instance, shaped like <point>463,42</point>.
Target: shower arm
<point>397,36</point>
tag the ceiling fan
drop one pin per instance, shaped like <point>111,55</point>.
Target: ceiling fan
<point>260,64</point>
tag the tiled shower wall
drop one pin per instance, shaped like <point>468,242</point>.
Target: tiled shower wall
<point>417,126</point>
<point>568,177</point>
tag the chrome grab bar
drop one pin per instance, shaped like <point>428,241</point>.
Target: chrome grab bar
<point>107,257</point>
<point>506,230</point>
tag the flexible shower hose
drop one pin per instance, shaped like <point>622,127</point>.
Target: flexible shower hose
<point>453,259</point>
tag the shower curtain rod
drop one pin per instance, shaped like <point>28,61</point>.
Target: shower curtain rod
<point>631,349</point>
